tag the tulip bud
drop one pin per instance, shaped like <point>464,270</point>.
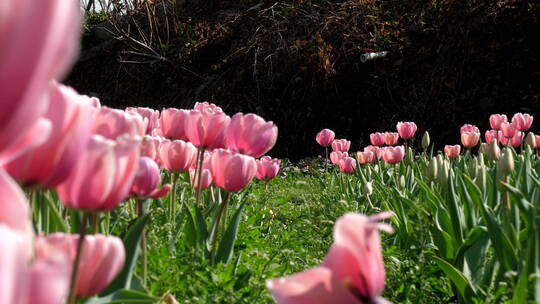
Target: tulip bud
<point>444,168</point>
<point>368,188</point>
<point>483,149</point>
<point>432,169</point>
<point>481,176</point>
<point>530,140</point>
<point>425,140</point>
<point>493,151</point>
<point>505,165</point>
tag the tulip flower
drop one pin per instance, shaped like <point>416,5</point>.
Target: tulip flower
<point>232,171</point>
<point>377,139</point>
<point>102,258</point>
<point>150,147</point>
<point>150,117</point>
<point>172,123</point>
<point>40,41</point>
<point>470,139</point>
<point>537,138</point>
<point>490,135</point>
<point>365,157</point>
<point>391,138</point>
<point>51,162</point>
<point>393,155</point>
<point>347,164</point>
<point>508,129</point>
<point>336,156</point>
<point>325,137</point>
<point>250,134</point>
<point>352,272</point>
<point>452,151</point>
<point>522,122</point>
<point>177,155</point>
<point>342,145</point>
<point>113,123</point>
<point>206,178</point>
<point>495,121</point>
<point>147,179</point>
<point>267,168</point>
<point>103,176</point>
<point>406,130</point>
<point>208,128</point>
<point>15,212</point>
<point>515,141</point>
<point>469,128</point>
<point>202,106</point>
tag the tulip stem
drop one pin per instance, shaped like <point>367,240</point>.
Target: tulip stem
<point>198,169</point>
<point>172,200</point>
<point>326,159</point>
<point>221,211</point>
<point>140,213</point>
<point>75,272</point>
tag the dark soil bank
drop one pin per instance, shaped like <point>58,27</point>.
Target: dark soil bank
<point>297,63</point>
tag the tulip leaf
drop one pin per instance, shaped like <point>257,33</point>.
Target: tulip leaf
<point>226,246</point>
<point>123,296</point>
<point>457,277</point>
<point>189,229</point>
<point>131,243</point>
<point>202,231</point>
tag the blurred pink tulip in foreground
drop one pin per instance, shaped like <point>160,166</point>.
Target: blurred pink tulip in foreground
<point>250,134</point>
<point>325,137</point>
<point>113,123</point>
<point>150,118</point>
<point>352,272</point>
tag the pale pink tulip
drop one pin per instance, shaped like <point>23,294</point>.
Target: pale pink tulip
<point>490,135</point>
<point>352,272</point>
<point>325,137</point>
<point>113,123</point>
<point>508,129</point>
<point>202,106</point>
<point>336,156</point>
<point>495,121</point>
<point>342,145</point>
<point>207,128</point>
<point>177,155</point>
<point>452,151</point>
<point>150,117</point>
<point>232,171</point>
<point>469,128</point>
<point>250,134</point>
<point>370,148</point>
<point>147,180</point>
<point>102,258</point>
<point>365,157</point>
<point>50,163</point>
<point>406,130</point>
<point>150,147</point>
<point>522,122</point>
<point>173,123</point>
<point>103,176</point>
<point>470,139</point>
<point>206,178</point>
<point>347,165</point>
<point>393,155</point>
<point>39,41</point>
<point>267,168</point>
<point>377,139</point>
<point>391,138</point>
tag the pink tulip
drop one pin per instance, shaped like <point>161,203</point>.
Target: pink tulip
<point>15,212</point>
<point>470,139</point>
<point>391,138</point>
<point>177,155</point>
<point>452,151</point>
<point>206,160</point>
<point>103,176</point>
<point>202,106</point>
<point>250,134</point>
<point>336,156</point>
<point>50,163</point>
<point>149,116</point>
<point>347,164</point>
<point>102,258</point>
<point>325,137</point>
<point>516,140</point>
<point>267,168</point>
<point>342,145</point>
<point>113,123</point>
<point>352,272</point>
<point>371,149</point>
<point>232,171</point>
<point>469,128</point>
<point>377,139</point>
<point>147,179</point>
<point>39,41</point>
<point>490,135</point>
<point>495,121</point>
<point>208,128</point>
<point>150,147</point>
<point>173,123</point>
<point>365,157</point>
<point>537,141</point>
<point>406,130</point>
<point>522,122</point>
<point>508,129</point>
<point>393,155</point>
<point>206,178</point>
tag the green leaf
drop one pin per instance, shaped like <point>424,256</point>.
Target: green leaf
<point>202,231</point>
<point>189,229</point>
<point>123,296</point>
<point>457,277</point>
<point>226,246</point>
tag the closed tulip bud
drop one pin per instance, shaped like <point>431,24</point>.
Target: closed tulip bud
<point>425,140</point>
<point>505,165</point>
<point>250,134</point>
<point>432,169</point>
<point>232,171</point>
<point>530,140</point>
<point>482,149</point>
<point>325,137</point>
<point>481,177</point>
<point>368,188</point>
<point>444,171</point>
<point>347,165</point>
<point>493,151</point>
